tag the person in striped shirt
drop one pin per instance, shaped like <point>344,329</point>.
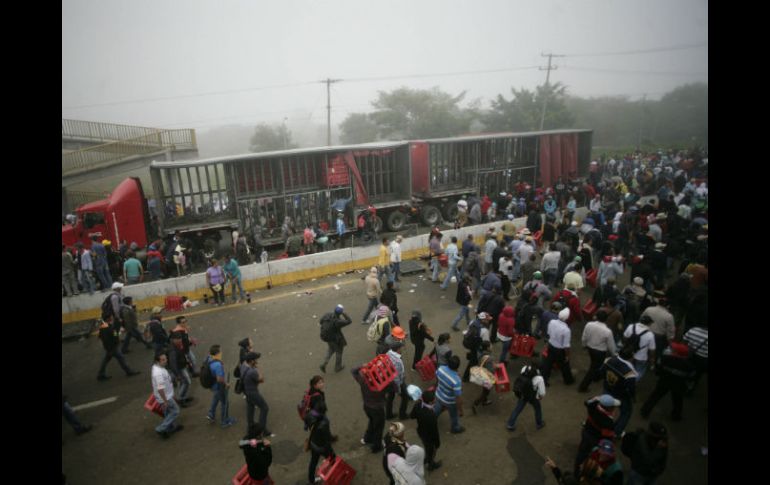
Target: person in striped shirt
<point>449,393</point>
<point>697,338</point>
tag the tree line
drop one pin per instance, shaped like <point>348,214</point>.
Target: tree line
<point>678,119</point>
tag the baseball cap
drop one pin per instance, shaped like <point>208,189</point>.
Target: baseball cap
<point>157,310</point>
<point>414,392</point>
<point>608,401</point>
<point>638,281</point>
<point>537,275</point>
<point>398,332</point>
<point>117,285</point>
<point>483,316</point>
<point>564,315</point>
<point>339,309</point>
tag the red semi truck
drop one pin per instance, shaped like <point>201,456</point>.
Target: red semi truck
<point>257,193</point>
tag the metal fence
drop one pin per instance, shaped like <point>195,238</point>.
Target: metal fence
<point>110,153</point>
<point>105,132</point>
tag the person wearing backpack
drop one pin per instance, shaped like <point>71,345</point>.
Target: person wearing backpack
<point>108,334</point>
<point>559,335</point>
<point>472,341</point>
<point>674,372</point>
<point>155,331</point>
<point>373,292</point>
<point>568,298</point>
<point>619,381</point>
<point>536,287</point>
<point>642,341</point>
<point>492,304</point>
<point>599,424</point>
<point>463,298</point>
<point>331,333</point>
<point>529,387</point>
<point>213,377</point>
<point>320,438</point>
<point>648,451</point>
<point>251,378</point>
<point>111,305</point>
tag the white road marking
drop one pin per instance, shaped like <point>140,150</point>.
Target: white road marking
<point>95,403</point>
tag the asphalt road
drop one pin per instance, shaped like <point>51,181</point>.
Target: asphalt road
<point>123,447</point>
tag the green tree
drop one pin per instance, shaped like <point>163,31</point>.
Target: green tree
<point>271,137</point>
<point>522,112</point>
<point>418,113</point>
<point>682,116</point>
<point>358,128</point>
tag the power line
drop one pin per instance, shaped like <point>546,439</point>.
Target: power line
<point>439,74</point>
<point>622,71</point>
<point>183,96</point>
<point>644,51</point>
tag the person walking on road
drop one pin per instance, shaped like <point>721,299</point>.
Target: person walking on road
<point>130,323</point>
<point>427,427</point>
<point>389,299</point>
<point>449,393</point>
<point>532,393</point>
<point>71,417</point>
<point>182,331</point>
<point>219,388</point>
<point>373,292</point>
<point>463,298</point>
<point>320,439</point>
<point>251,379</point>
<point>645,348</point>
<point>675,372</point>
<point>395,259</point>
<point>453,258</point>
<point>258,455</point>
<point>648,451</point>
<point>178,366</point>
<point>620,382</point>
<point>599,342</point>
<point>559,335</point>
<point>155,331</point>
<point>163,390</point>
<point>383,262</point>
<point>662,325</point>
<point>215,280</point>
<point>599,424</point>
<point>108,334</point>
<point>331,333</point>
<point>435,251</point>
<point>418,332</point>
<point>374,407</point>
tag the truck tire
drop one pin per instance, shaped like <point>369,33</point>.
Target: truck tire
<point>396,221</point>
<point>450,211</point>
<point>377,224</point>
<point>430,215</point>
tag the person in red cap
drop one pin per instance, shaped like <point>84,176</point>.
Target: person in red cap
<point>675,371</point>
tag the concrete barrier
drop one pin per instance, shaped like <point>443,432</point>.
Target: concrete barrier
<point>279,272</point>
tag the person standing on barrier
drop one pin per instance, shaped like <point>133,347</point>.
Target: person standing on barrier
<point>233,273</point>
<point>215,280</point>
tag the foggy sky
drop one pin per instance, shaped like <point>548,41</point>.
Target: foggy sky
<point>122,55</point>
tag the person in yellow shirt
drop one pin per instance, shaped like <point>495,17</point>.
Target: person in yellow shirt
<point>383,261</point>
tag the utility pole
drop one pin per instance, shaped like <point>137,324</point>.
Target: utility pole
<point>329,109</point>
<point>547,79</point>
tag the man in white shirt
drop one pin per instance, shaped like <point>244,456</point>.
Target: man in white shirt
<point>526,249</point>
<point>559,336</point>
<point>599,342</point>
<point>646,350</point>
<point>395,258</point>
<point>489,248</point>
<point>453,258</point>
<point>662,326</point>
<point>163,389</point>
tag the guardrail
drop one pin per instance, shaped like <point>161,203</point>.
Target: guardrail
<point>106,132</point>
<point>111,153</point>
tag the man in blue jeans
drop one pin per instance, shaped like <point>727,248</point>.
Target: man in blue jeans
<point>453,258</point>
<point>220,387</point>
<point>233,274</point>
<point>449,393</point>
<point>533,392</point>
<point>163,389</point>
<point>99,256</point>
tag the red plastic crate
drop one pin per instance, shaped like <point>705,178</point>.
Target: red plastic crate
<point>154,406</point>
<point>538,236</point>
<point>589,309</point>
<point>173,303</point>
<point>502,383</point>
<point>243,478</point>
<point>523,345</point>
<point>335,472</point>
<point>426,367</point>
<point>379,373</point>
<point>443,260</point>
<point>591,277</point>
<point>544,354</point>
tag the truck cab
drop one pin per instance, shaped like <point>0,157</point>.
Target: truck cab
<point>123,215</point>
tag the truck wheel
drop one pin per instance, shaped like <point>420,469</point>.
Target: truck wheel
<point>396,221</point>
<point>430,215</point>
<point>450,211</point>
<point>377,224</point>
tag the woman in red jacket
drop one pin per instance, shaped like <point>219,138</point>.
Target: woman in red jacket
<point>505,323</point>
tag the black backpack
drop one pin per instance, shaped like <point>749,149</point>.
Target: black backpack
<point>634,341</point>
<point>327,327</point>
<point>107,311</point>
<point>472,338</point>
<point>522,386</point>
<point>207,377</point>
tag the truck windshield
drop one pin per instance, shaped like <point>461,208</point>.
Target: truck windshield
<point>90,219</point>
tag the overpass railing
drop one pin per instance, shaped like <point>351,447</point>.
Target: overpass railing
<point>114,152</point>
<point>104,132</point>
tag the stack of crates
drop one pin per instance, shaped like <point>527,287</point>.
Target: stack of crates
<point>173,303</point>
<point>336,472</point>
<point>426,367</point>
<point>336,173</point>
<point>379,373</point>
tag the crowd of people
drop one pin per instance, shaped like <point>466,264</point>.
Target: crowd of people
<point>526,282</point>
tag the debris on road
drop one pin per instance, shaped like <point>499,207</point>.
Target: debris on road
<point>411,291</point>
